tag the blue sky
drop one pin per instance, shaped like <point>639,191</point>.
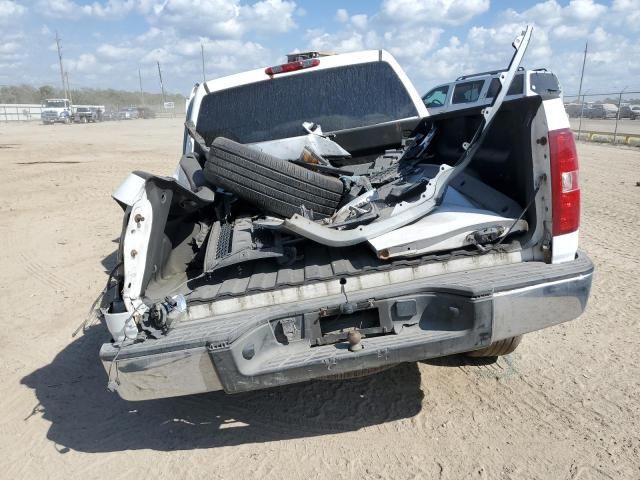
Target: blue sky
<point>106,41</point>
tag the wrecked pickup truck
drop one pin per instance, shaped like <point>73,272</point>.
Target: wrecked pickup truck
<point>321,224</point>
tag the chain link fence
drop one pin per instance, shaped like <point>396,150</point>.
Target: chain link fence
<point>612,117</point>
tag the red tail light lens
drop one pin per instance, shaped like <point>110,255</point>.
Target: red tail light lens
<point>564,182</point>
<point>292,66</point>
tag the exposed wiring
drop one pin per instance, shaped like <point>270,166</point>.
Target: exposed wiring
<point>112,384</point>
<point>92,315</point>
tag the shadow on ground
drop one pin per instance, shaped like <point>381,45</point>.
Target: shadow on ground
<point>84,416</point>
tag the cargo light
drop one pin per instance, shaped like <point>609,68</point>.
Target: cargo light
<point>292,66</point>
<point>565,188</point>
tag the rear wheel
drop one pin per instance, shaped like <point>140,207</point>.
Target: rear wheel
<point>499,348</point>
<point>271,183</point>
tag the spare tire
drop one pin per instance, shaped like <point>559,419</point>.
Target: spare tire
<point>270,183</point>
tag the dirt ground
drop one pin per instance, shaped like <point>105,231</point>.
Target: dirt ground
<point>565,405</point>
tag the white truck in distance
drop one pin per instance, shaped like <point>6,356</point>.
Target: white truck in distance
<point>57,110</point>
<point>321,224</point>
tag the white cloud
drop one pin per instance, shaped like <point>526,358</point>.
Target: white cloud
<point>626,14</point>
<point>70,9</point>
<point>430,12</point>
<point>578,13</point>
<point>269,15</point>
<point>9,50</point>
<point>223,18</point>
<point>85,62</point>
<point>359,21</point>
<point>347,41</point>
<point>12,52</point>
<point>342,15</point>
<point>113,52</point>
<point>585,10</point>
<point>9,9</point>
<point>58,8</point>
<point>570,32</point>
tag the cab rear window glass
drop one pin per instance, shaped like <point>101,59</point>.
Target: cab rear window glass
<point>467,92</point>
<point>545,84</point>
<point>338,98</point>
<point>517,86</point>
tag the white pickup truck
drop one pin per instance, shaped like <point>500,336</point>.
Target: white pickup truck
<point>322,224</point>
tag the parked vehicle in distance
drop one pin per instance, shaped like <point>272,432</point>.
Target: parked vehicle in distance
<point>627,112</point>
<point>601,110</point>
<point>479,89</point>
<point>128,113</point>
<point>85,115</point>
<point>146,112</point>
<point>56,110</point>
<point>635,111</point>
<point>99,111</point>
<point>574,110</point>
<point>295,239</point>
<point>109,115</point>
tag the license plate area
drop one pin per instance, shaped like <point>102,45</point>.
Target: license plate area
<point>332,325</point>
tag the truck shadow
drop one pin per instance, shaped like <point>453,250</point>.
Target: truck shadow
<point>85,416</point>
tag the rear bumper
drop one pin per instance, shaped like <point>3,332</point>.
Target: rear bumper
<point>431,317</point>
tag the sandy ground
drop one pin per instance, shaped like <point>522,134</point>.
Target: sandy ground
<point>565,405</point>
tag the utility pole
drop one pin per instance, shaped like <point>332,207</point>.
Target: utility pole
<point>204,78</point>
<point>584,61</point>
<point>161,85</point>
<point>141,91</point>
<point>66,76</point>
<point>64,86</point>
<point>615,131</point>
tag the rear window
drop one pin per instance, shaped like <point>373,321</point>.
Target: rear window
<point>337,99</point>
<point>517,86</point>
<point>545,84</point>
<point>467,92</point>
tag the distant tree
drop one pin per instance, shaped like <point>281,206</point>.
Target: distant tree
<point>110,98</point>
<point>46,91</point>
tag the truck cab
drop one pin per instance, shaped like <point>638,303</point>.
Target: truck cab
<point>57,110</point>
<point>479,89</point>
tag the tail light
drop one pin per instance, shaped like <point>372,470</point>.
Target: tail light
<point>565,188</point>
<point>292,66</point>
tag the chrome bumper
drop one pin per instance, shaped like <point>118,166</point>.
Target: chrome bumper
<point>493,304</point>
